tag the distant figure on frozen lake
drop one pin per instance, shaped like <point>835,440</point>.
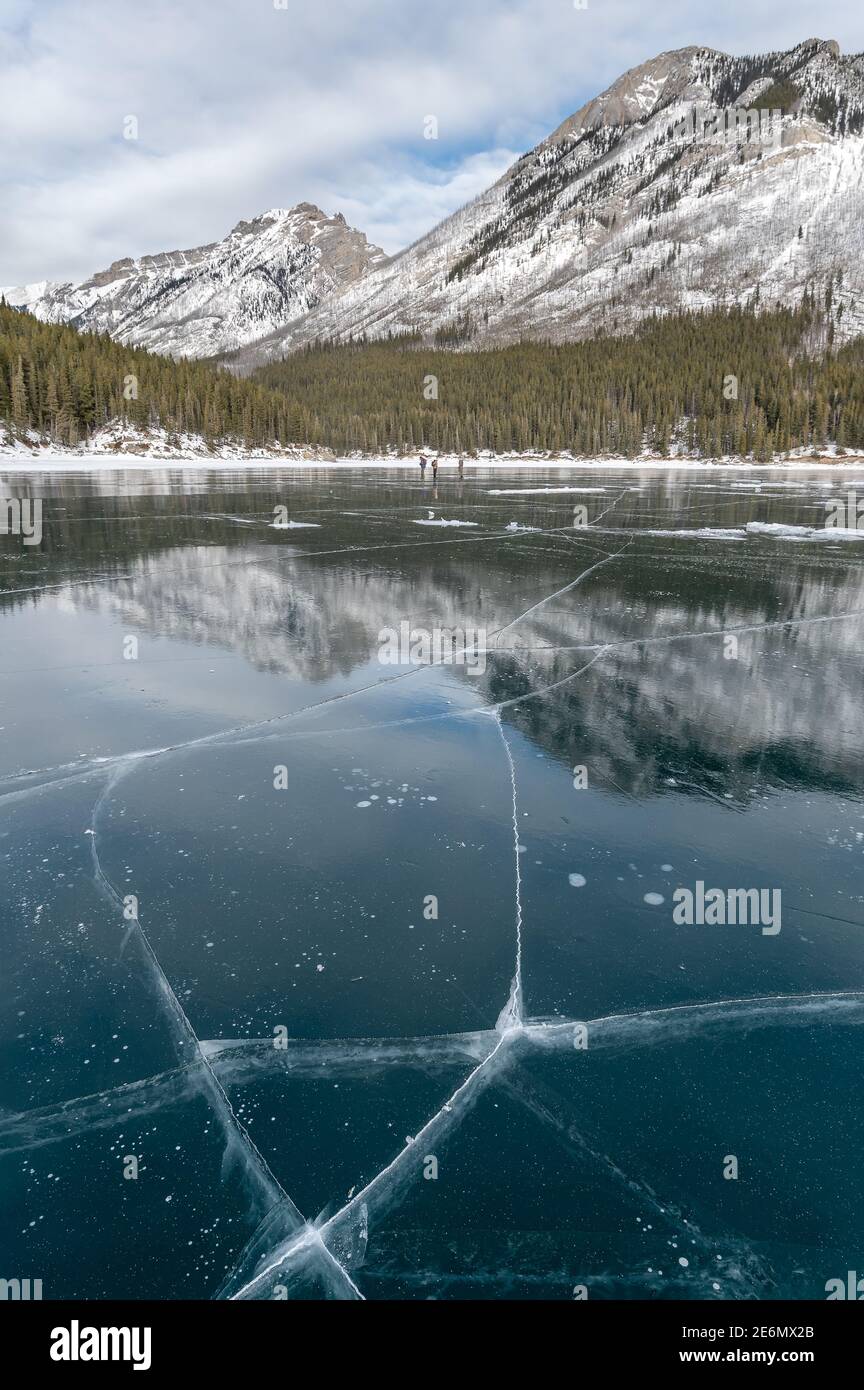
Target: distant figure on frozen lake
<point>461,465</point>
<point>434,469</point>
<point>422,465</point>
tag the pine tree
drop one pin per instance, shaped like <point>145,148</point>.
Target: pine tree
<point>20,405</point>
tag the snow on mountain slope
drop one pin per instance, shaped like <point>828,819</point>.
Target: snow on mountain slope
<point>626,210</point>
<point>635,204</point>
<point>27,296</point>
<point>218,297</point>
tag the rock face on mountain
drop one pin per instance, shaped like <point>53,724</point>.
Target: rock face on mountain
<point>648,199</point>
<point>219,297</point>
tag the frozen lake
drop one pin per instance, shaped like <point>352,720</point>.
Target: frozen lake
<point>341,961</point>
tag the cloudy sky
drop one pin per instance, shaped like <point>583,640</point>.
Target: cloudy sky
<point>243,105</point>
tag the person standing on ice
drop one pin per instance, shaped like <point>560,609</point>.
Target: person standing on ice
<point>434,468</point>
<point>461,465</point>
<point>422,466</point>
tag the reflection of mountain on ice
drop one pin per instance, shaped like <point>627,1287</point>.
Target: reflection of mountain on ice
<point>665,666</point>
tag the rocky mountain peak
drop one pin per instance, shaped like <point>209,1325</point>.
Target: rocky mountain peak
<point>215,298</point>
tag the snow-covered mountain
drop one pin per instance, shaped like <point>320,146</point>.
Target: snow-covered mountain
<point>627,209</point>
<point>646,200</point>
<point>214,298</point>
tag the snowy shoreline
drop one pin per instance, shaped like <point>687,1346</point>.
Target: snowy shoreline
<point>119,447</point>
<point>46,461</point>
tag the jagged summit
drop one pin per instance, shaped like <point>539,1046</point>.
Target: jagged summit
<point>215,298</point>
<point>308,211</point>
<point>682,74</point>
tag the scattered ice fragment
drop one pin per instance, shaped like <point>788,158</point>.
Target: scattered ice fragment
<point>528,491</point>
<point>654,899</point>
<point>576,880</point>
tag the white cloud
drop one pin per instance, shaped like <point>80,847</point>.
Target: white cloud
<point>242,106</point>
<point>394,206</point>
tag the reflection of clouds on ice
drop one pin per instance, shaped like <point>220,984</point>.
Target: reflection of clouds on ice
<point>302,624</point>
<point>549,598</point>
<point>689,693</point>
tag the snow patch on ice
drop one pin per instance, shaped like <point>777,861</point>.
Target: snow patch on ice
<point>803,533</point>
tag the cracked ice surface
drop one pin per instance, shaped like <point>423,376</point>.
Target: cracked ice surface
<point>284,1034</point>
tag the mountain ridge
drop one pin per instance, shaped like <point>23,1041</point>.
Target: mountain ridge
<point>614,215</point>
<point>637,203</point>
<point>213,298</point>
